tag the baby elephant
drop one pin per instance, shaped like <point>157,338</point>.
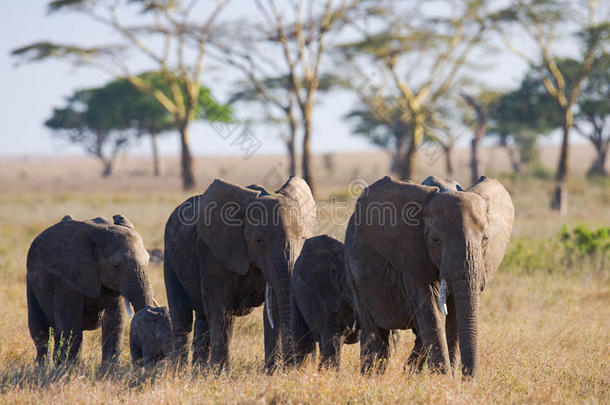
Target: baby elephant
<point>323,309</point>
<point>150,339</point>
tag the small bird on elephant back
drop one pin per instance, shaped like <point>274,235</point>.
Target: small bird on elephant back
<point>417,257</point>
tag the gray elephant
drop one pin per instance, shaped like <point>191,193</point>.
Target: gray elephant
<point>323,308</point>
<point>417,257</point>
<point>226,251</point>
<point>76,274</point>
<point>150,336</point>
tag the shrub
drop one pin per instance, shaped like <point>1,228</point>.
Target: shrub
<point>572,251</point>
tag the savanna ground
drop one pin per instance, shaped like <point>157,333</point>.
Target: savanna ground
<point>545,318</point>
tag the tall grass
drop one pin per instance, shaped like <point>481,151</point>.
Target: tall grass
<point>544,321</point>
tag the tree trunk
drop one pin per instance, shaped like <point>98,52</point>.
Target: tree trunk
<point>409,167</point>
<point>292,170</point>
<point>559,201</point>
<point>598,167</point>
<point>155,154</point>
<point>514,158</point>
<point>448,159</point>
<point>406,165</point>
<point>482,120</point>
<point>108,166</point>
<point>475,172</point>
<point>186,159</point>
<point>307,158</point>
<point>290,144</point>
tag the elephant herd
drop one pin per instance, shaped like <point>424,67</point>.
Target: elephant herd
<point>416,256</point>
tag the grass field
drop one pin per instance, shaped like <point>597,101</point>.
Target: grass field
<point>545,327</point>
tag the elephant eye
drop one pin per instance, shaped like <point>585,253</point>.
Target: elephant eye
<point>260,242</point>
<point>436,241</point>
<point>484,241</point>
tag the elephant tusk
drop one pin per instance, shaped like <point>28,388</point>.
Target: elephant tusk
<point>128,307</point>
<point>442,297</point>
<point>155,302</point>
<point>354,326</point>
<point>268,305</point>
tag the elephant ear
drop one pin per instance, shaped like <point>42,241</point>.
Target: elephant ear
<point>500,216</point>
<point>389,218</point>
<point>298,193</point>
<point>68,250</point>
<point>221,223</point>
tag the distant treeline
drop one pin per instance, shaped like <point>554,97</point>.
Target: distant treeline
<point>414,68</point>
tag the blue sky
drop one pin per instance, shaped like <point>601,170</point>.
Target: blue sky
<point>32,90</point>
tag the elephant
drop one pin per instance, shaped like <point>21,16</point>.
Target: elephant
<point>227,251</point>
<point>323,309</point>
<point>418,257</point>
<point>150,336</point>
<point>76,274</point>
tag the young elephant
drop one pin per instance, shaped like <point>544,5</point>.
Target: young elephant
<point>76,274</point>
<point>150,338</point>
<point>323,311</point>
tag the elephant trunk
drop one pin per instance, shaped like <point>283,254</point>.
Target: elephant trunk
<point>283,295</point>
<point>467,308</point>
<point>465,289</point>
<point>137,289</point>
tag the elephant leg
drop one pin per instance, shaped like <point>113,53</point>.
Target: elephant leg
<point>135,348</point>
<point>39,328</point>
<point>430,325</point>
<point>201,341</point>
<point>415,361</point>
<point>303,340</point>
<point>271,338</point>
<point>452,336</point>
<point>374,350</point>
<point>221,331</point>
<point>330,350</point>
<point>181,313</point>
<point>113,325</point>
<point>69,322</point>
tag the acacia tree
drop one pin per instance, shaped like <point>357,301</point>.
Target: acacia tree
<point>276,97</point>
<point>177,52</point>
<point>141,112</point>
<point>418,57</point>
<point>517,118</point>
<point>480,108</point>
<point>544,22</point>
<point>593,117</point>
<point>385,124</point>
<point>298,32</point>
<point>90,121</point>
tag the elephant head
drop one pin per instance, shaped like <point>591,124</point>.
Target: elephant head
<point>150,336</point>
<point>249,227</point>
<point>455,238</point>
<point>95,254</point>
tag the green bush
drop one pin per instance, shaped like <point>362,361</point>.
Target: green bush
<point>571,251</point>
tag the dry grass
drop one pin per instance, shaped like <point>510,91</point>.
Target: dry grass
<point>544,333</point>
